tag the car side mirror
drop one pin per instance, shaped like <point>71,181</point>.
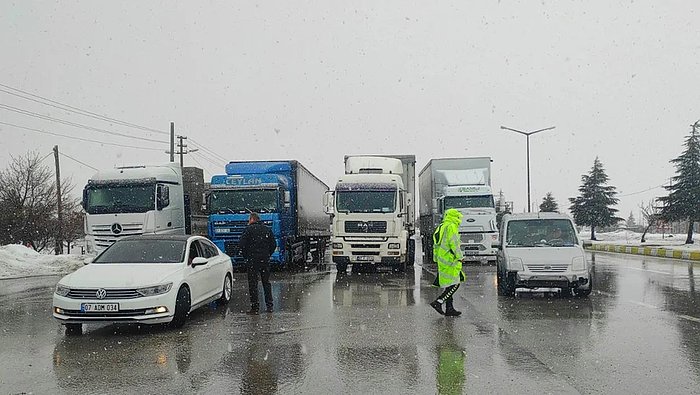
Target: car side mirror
<point>199,261</point>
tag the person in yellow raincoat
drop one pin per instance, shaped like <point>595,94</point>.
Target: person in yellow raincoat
<point>448,256</point>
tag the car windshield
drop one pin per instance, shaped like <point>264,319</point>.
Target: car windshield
<point>243,201</point>
<point>120,198</point>
<point>366,201</point>
<point>540,233</point>
<point>144,251</point>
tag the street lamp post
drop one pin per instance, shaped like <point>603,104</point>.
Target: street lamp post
<point>527,138</point>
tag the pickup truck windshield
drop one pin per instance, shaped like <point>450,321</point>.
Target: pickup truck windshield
<point>243,201</point>
<point>120,198</point>
<point>366,201</point>
<point>482,201</point>
<point>540,233</point>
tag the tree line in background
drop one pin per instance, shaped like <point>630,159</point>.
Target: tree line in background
<point>594,206</point>
<point>29,209</point>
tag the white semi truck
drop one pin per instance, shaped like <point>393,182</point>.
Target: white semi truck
<point>133,200</point>
<point>463,184</point>
<point>373,214</point>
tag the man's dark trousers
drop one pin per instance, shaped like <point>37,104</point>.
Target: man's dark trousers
<point>261,269</point>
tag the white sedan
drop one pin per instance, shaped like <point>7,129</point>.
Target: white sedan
<point>146,279</point>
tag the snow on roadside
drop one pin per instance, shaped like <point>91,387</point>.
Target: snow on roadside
<point>19,261</point>
<point>626,237</point>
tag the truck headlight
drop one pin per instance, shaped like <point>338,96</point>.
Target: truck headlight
<point>515,264</point>
<point>394,246</point>
<point>578,263</point>
<point>156,290</point>
<point>494,236</point>
<point>62,290</point>
<point>337,246</point>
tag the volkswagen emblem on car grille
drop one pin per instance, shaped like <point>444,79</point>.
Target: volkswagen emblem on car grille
<point>116,228</point>
<point>101,293</point>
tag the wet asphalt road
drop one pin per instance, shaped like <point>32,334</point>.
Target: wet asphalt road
<point>639,332</point>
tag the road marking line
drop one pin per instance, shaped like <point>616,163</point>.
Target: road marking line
<point>689,318</point>
<point>644,304</point>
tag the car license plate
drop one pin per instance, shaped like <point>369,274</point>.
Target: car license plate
<point>99,307</point>
<point>365,258</point>
<point>468,252</point>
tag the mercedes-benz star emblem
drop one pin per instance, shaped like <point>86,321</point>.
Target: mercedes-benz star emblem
<point>101,293</point>
<point>116,228</point>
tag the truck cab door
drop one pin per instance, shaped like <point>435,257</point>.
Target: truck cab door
<point>164,213</point>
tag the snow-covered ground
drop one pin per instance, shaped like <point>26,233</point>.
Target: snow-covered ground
<point>19,261</point>
<point>626,237</point>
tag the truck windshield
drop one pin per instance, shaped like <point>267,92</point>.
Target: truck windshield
<point>540,233</point>
<point>366,201</point>
<point>482,201</point>
<point>243,201</point>
<point>120,198</point>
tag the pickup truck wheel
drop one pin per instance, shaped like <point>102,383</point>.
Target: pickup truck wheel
<point>506,284</point>
<point>182,307</point>
<point>585,292</point>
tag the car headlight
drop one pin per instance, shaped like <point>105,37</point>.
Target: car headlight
<point>579,263</point>
<point>515,264</point>
<point>394,246</point>
<point>337,246</point>
<point>156,290</point>
<point>62,290</point>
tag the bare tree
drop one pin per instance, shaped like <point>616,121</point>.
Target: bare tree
<point>651,212</point>
<point>28,211</point>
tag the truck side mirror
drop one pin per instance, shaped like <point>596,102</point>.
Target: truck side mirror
<point>287,199</point>
<point>435,206</point>
<point>205,196</point>
<point>85,199</point>
<point>328,202</point>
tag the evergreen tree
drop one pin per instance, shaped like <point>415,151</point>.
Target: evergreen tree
<point>549,204</point>
<point>683,200</point>
<point>631,222</point>
<point>593,207</point>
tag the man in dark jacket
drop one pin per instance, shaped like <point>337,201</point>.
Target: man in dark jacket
<point>257,245</point>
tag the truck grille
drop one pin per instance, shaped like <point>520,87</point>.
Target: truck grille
<point>90,293</point>
<point>469,238</point>
<point>555,268</point>
<point>106,235</point>
<point>364,245</point>
<point>365,227</point>
<point>365,252</point>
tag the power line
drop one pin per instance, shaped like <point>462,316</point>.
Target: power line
<point>74,124</point>
<point>220,157</point>
<point>646,190</point>
<point>66,107</point>
<point>82,163</point>
<point>201,165</point>
<point>79,138</point>
<point>218,165</point>
<point>47,155</point>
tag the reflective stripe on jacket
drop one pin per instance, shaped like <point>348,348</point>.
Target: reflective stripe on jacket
<point>446,252</point>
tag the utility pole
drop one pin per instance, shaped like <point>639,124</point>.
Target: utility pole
<point>527,135</point>
<point>172,142</point>
<point>182,149</point>
<point>59,234</point>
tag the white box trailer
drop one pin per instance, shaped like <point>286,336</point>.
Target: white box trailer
<point>463,184</point>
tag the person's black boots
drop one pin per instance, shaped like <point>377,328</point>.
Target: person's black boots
<point>450,310</point>
<point>437,306</point>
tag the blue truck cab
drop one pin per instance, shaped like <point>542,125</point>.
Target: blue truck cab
<point>288,198</point>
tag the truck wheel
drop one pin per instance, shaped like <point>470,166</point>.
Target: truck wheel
<point>411,252</point>
<point>342,267</point>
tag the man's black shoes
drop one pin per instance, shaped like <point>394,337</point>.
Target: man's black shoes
<point>438,307</point>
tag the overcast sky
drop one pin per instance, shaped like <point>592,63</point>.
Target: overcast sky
<point>317,80</point>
